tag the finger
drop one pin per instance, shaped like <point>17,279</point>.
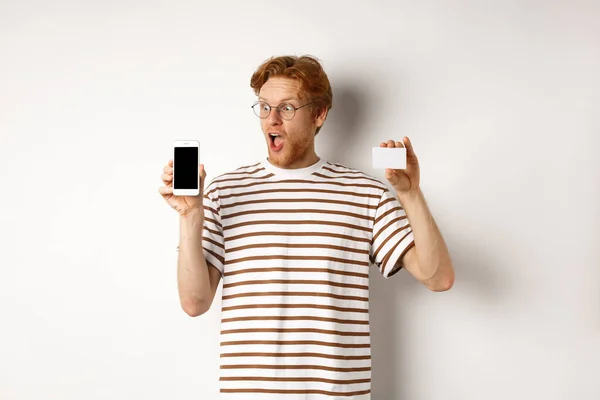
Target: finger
<point>390,143</point>
<point>165,190</point>
<point>409,147</point>
<point>168,170</point>
<point>170,163</point>
<point>167,178</point>
<point>399,144</point>
<point>382,144</point>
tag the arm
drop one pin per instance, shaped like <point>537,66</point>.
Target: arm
<point>428,260</point>
<point>196,281</point>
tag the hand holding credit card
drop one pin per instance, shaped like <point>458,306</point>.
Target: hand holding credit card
<point>401,165</point>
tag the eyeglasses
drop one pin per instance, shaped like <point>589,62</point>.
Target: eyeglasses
<point>285,110</point>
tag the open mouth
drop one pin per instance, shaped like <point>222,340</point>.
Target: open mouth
<point>276,141</point>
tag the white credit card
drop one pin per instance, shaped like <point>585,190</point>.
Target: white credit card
<point>389,157</point>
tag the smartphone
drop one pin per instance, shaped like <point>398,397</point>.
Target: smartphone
<point>186,168</point>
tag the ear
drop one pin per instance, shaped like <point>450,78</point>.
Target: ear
<point>321,117</point>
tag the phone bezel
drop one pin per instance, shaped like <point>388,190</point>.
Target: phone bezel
<point>186,192</point>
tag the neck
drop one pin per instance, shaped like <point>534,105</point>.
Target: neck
<point>293,173</point>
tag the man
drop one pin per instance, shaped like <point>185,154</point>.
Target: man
<point>293,237</point>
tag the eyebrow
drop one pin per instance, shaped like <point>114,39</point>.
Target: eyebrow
<point>282,101</point>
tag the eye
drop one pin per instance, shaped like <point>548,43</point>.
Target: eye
<point>287,107</point>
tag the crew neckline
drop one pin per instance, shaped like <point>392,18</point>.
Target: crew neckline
<point>292,172</point>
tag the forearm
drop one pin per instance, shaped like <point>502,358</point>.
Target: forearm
<point>430,248</point>
<point>192,271</point>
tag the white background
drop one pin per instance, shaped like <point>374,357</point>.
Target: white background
<point>501,100</point>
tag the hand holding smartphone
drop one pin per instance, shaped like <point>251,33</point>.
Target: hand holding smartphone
<point>183,178</point>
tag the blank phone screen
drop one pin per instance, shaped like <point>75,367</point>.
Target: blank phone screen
<point>185,166</point>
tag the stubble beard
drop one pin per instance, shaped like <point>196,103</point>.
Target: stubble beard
<point>292,152</point>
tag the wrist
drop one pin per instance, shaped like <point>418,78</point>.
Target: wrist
<point>409,195</point>
<point>193,216</point>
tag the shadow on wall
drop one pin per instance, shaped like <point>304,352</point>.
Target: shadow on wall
<point>596,239</point>
<point>345,130</point>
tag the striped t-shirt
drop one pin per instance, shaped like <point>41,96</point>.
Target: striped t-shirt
<point>294,247</point>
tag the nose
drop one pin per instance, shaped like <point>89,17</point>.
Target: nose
<point>274,118</point>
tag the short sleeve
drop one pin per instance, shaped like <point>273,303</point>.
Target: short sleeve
<point>392,235</point>
<point>212,236</point>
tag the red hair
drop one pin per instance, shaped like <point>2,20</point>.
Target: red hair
<point>309,73</point>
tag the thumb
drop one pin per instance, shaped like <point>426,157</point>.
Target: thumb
<point>202,176</point>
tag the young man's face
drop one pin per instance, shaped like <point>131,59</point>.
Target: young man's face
<point>294,148</point>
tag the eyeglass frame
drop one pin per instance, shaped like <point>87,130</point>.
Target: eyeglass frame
<point>277,109</point>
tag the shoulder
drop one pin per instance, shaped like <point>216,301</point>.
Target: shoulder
<point>246,171</point>
<point>341,171</point>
